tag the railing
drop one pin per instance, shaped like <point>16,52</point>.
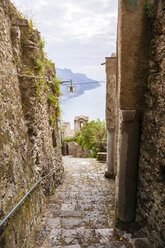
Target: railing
<point>28,193</point>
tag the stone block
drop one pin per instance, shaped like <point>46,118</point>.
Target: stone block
<point>70,223</point>
<point>78,236</point>
<point>21,22</point>
<point>102,156</point>
<point>54,223</point>
<point>104,235</point>
<point>55,236</point>
<point>140,243</point>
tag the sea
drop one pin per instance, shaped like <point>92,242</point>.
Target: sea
<point>91,104</point>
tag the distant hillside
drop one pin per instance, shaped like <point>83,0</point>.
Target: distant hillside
<point>77,78</point>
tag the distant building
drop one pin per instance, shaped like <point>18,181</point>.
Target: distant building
<point>66,131</point>
<point>79,122</point>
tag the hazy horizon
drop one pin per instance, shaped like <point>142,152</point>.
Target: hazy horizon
<point>91,104</point>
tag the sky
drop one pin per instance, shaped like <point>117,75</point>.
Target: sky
<point>78,34</point>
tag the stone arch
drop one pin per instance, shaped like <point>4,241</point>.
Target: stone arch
<point>79,122</point>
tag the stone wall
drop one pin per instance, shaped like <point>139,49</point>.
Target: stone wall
<point>66,131</point>
<point>29,134</point>
<point>132,63</point>
<point>140,103</point>
<point>75,150</point>
<point>151,180</point>
<point>111,115</point>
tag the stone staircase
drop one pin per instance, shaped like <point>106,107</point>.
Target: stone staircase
<point>81,211</point>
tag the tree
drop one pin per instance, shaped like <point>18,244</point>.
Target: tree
<point>93,136</point>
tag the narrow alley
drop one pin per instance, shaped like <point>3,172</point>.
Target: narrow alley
<point>81,211</point>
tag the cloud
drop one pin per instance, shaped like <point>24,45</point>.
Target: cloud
<point>80,20</point>
<point>74,28</point>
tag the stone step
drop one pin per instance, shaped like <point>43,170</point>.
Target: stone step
<point>80,214</point>
<point>80,236</point>
<point>113,244</point>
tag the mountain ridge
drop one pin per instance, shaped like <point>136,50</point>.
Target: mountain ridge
<point>81,81</point>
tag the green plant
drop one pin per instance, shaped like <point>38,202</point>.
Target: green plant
<point>31,23</point>
<point>39,66</point>
<point>36,85</point>
<point>93,136</point>
<point>48,62</point>
<point>42,81</point>
<point>53,191</point>
<point>52,99</point>
<point>148,9</point>
<point>37,90</point>
<point>64,140</point>
<point>15,59</point>
<point>51,120</point>
<point>58,111</point>
<point>15,143</point>
<point>41,43</point>
<point>29,72</point>
<point>156,24</point>
<point>56,86</point>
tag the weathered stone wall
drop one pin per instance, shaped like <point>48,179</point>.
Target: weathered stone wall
<point>140,101</point>
<point>110,91</point>
<point>111,105</point>
<point>151,180</point>
<point>29,134</point>
<point>75,150</point>
<point>132,63</point>
<point>66,131</point>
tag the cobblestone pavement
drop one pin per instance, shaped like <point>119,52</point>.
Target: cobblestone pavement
<point>81,211</point>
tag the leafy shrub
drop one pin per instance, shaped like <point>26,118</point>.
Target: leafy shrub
<point>73,139</point>
<point>93,136</point>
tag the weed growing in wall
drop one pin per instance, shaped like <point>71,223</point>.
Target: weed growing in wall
<point>51,120</point>
<point>56,86</point>
<point>39,66</point>
<point>58,111</point>
<point>53,191</point>
<point>155,23</point>
<point>48,62</point>
<point>42,43</point>
<point>148,9</point>
<point>15,143</point>
<point>43,83</point>
<point>31,24</point>
<point>15,59</point>
<point>52,99</point>
<point>37,90</point>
